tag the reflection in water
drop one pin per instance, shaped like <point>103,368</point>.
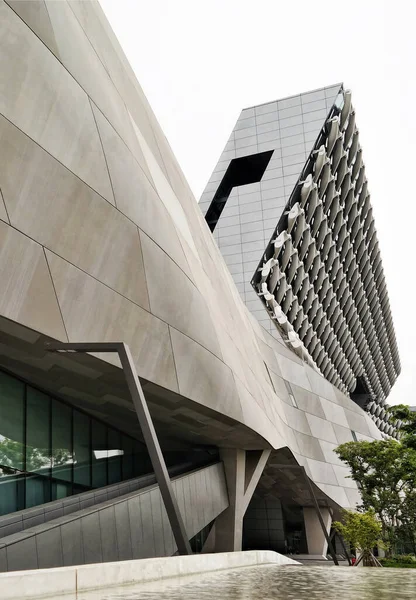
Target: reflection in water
<point>276,583</point>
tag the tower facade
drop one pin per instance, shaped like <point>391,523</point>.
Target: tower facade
<point>289,205</point>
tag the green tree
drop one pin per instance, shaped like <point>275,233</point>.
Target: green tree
<point>385,473</point>
<point>406,526</point>
<point>362,531</point>
<point>407,429</point>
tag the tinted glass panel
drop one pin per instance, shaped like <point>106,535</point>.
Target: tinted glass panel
<point>82,450</point>
<point>48,450</point>
<point>11,490</point>
<point>61,450</point>
<point>38,432</point>
<point>115,454</point>
<point>38,490</point>
<point>12,393</point>
<point>99,454</point>
<point>127,459</point>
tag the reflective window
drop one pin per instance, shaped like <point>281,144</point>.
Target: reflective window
<point>61,450</point>
<point>115,454</point>
<point>127,459</point>
<point>38,447</point>
<point>82,450</point>
<point>12,395</point>
<point>12,492</point>
<point>38,432</point>
<point>99,454</point>
<point>49,450</point>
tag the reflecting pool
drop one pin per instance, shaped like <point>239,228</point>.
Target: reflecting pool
<point>271,582</point>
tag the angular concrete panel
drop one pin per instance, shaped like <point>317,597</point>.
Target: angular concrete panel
<point>59,104</point>
<point>93,312</point>
<point>91,538</point>
<point>136,527</point>
<point>108,534</point>
<point>135,194</point>
<point>195,368</point>
<point>27,295</point>
<point>334,413</point>
<point>3,212</point>
<point>72,546</point>
<point>49,548</point>
<point>35,15</point>
<point>22,555</point>
<point>55,208</point>
<point>321,429</point>
<point>123,527</point>
<point>181,305</point>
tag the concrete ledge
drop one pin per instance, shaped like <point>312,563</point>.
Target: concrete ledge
<point>66,580</point>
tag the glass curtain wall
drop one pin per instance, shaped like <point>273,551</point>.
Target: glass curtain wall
<point>49,450</point>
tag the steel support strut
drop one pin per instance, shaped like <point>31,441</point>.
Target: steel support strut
<point>147,428</point>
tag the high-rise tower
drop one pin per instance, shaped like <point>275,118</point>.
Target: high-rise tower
<point>289,206</point>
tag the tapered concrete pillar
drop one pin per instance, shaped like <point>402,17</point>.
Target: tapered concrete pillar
<point>315,537</point>
<point>242,472</point>
<point>229,524</point>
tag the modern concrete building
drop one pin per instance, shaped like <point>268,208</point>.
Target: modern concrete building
<point>289,206</point>
<point>102,242</point>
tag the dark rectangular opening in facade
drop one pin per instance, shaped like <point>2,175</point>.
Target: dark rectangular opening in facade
<point>241,171</point>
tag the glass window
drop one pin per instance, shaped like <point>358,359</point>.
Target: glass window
<point>38,432</point>
<point>48,450</point>
<point>38,447</point>
<point>11,490</point>
<point>141,459</point>
<point>38,489</point>
<point>99,454</point>
<point>82,450</point>
<point>115,454</point>
<point>127,460</point>
<point>12,394</point>
<point>61,450</point>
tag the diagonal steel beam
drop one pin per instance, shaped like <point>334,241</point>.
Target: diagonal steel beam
<point>146,425</point>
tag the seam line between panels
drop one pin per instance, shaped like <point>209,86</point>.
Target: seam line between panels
<point>98,194</point>
<point>174,359</point>
<point>85,92</point>
<point>5,207</point>
<point>123,141</point>
<point>98,280</point>
<point>57,160</point>
<point>102,148</point>
<point>144,269</point>
<point>54,289</point>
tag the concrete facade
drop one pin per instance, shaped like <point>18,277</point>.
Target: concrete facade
<point>102,240</point>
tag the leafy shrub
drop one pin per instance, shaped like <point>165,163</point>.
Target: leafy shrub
<point>405,559</point>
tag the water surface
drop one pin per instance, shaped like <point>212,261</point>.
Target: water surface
<point>271,582</point>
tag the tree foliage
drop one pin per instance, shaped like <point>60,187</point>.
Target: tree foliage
<point>408,427</point>
<point>385,473</point>
<point>361,530</point>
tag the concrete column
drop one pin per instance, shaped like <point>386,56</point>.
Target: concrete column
<point>317,544</point>
<point>229,524</point>
<point>242,473</point>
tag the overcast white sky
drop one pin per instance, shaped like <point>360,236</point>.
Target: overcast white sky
<point>201,61</point>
